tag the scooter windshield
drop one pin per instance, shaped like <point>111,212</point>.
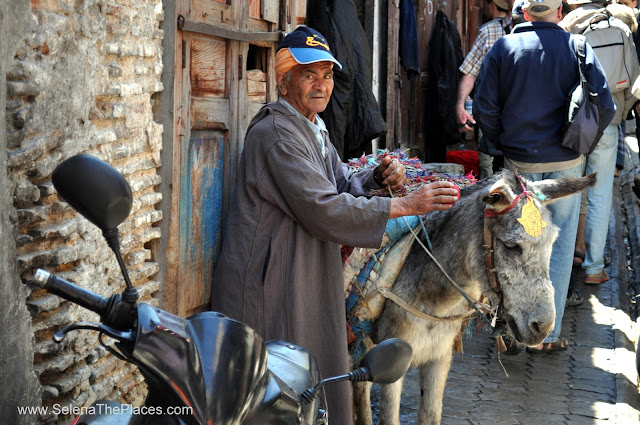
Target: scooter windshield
<point>234,363</point>
<point>215,365</point>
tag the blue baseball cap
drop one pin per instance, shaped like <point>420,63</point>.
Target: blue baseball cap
<point>308,46</point>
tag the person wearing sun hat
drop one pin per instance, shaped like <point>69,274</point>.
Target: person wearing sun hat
<point>303,46</point>
<point>294,204</point>
<point>520,103</point>
<point>612,40</point>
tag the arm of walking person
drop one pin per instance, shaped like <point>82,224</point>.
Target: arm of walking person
<point>464,89</point>
<point>486,105</point>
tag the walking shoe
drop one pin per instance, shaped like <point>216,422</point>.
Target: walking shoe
<point>548,347</point>
<point>596,279</point>
<point>574,299</point>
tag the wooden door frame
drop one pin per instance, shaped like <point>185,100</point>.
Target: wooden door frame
<point>168,115</point>
<point>172,110</point>
<point>393,71</point>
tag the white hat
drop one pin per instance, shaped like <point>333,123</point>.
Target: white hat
<point>541,7</point>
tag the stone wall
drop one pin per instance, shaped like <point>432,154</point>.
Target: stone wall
<point>83,81</point>
<point>19,384</point>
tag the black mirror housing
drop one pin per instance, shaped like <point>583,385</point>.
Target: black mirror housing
<point>95,189</point>
<point>388,361</point>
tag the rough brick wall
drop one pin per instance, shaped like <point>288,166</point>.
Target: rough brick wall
<point>19,385</point>
<point>83,81</point>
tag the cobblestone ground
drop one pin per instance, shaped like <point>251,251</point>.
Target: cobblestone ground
<point>593,382</point>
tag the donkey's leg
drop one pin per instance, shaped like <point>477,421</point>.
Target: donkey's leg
<point>390,403</point>
<point>433,377</point>
<point>362,402</point>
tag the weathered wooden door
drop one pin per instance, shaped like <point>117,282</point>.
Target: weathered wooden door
<point>223,54</point>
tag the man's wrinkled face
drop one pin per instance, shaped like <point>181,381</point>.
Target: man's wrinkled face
<point>307,88</point>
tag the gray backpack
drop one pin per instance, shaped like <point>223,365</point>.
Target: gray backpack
<point>606,34</point>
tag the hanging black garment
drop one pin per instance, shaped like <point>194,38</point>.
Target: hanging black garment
<point>409,48</point>
<point>353,116</point>
<point>444,58</point>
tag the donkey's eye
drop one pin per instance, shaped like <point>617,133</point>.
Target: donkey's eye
<point>513,245</point>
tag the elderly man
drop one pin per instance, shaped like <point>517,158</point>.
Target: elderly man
<point>521,103</point>
<point>280,270</point>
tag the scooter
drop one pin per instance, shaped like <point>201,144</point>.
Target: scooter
<point>208,368</point>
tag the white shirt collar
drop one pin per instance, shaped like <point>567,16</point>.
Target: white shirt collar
<point>316,127</point>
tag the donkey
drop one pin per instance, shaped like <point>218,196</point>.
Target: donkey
<point>492,213</point>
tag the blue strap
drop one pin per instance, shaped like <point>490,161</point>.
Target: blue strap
<point>426,235</point>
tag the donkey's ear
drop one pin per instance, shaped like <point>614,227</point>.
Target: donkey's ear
<point>499,198</point>
<point>551,189</point>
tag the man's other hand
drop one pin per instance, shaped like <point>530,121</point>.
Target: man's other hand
<point>391,172</point>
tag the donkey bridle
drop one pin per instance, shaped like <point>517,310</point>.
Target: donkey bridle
<point>490,267</point>
<point>489,262</point>
<point>492,274</point>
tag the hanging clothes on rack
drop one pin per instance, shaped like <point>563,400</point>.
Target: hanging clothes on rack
<point>353,116</point>
<point>409,47</point>
<point>444,58</point>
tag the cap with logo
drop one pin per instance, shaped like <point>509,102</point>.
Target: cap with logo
<point>308,46</point>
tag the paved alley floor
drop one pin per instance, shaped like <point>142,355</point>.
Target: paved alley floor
<point>593,382</point>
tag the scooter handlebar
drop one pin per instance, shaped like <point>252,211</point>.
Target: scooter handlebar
<point>71,292</point>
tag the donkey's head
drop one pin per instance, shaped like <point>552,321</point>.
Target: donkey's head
<point>519,227</point>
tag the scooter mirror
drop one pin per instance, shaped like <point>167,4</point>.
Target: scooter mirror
<point>95,189</point>
<point>388,361</point>
<point>384,364</point>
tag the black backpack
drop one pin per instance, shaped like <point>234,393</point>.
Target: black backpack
<point>584,126</point>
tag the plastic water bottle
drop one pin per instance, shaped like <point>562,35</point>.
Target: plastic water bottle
<point>468,105</point>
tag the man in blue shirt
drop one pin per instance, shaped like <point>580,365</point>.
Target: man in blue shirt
<point>524,86</point>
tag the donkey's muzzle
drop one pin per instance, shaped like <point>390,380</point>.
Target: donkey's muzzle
<point>535,331</point>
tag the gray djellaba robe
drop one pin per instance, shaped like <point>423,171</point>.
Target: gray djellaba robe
<point>280,269</point>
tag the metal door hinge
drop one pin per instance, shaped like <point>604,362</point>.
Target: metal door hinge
<point>184,54</point>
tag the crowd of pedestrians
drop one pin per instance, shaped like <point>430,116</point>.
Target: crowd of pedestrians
<point>519,104</point>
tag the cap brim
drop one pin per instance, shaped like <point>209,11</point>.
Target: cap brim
<point>306,56</point>
<point>503,4</point>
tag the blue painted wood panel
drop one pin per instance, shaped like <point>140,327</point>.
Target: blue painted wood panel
<point>200,216</point>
